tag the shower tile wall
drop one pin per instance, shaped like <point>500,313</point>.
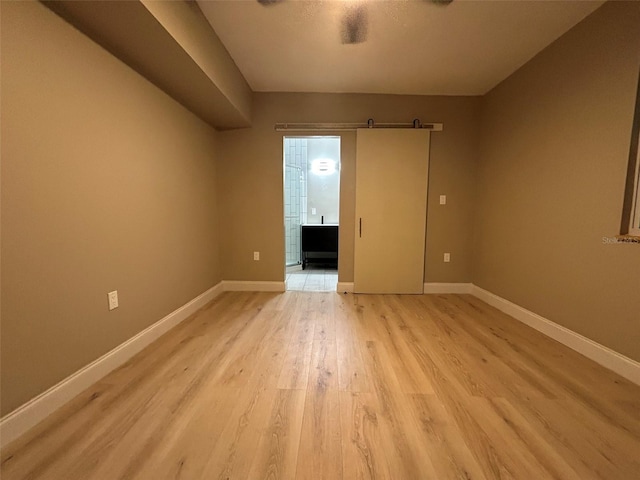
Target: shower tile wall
<point>295,186</point>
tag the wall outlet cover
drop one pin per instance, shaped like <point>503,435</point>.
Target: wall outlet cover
<point>113,299</point>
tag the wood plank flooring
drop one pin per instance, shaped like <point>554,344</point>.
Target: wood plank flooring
<point>328,386</point>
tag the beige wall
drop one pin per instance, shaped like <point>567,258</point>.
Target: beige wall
<point>555,145</point>
<point>107,184</point>
<point>250,179</point>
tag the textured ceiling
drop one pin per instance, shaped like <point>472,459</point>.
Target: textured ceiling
<point>412,47</point>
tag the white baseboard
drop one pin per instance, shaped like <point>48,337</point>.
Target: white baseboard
<point>448,287</point>
<point>26,416</point>
<point>345,287</point>
<point>249,286</point>
<point>622,365</point>
<point>428,287</point>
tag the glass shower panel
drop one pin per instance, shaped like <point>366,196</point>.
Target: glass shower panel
<point>292,213</point>
<point>295,196</point>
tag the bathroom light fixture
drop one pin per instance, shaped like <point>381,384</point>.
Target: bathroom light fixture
<point>323,166</point>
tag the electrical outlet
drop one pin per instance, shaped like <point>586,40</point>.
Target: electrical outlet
<point>443,199</point>
<point>113,299</point>
<point>256,255</point>
<point>447,257</point>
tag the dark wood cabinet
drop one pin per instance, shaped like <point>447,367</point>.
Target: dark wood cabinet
<point>319,244</point>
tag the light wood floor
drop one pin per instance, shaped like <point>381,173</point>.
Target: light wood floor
<point>322,385</point>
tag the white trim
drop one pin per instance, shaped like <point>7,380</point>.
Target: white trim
<point>249,286</point>
<point>433,287</point>
<point>624,366</point>
<point>23,418</point>
<point>429,288</point>
<point>634,222</point>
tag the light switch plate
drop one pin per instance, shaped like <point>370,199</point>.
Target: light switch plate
<point>256,255</point>
<point>443,199</point>
<point>447,257</point>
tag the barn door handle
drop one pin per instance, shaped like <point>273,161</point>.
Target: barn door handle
<point>360,227</point>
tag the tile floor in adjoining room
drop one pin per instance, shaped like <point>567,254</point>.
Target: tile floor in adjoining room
<point>314,278</point>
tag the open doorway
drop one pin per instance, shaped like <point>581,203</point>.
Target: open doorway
<point>311,212</point>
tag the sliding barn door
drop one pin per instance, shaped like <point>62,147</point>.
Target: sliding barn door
<point>391,210</point>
